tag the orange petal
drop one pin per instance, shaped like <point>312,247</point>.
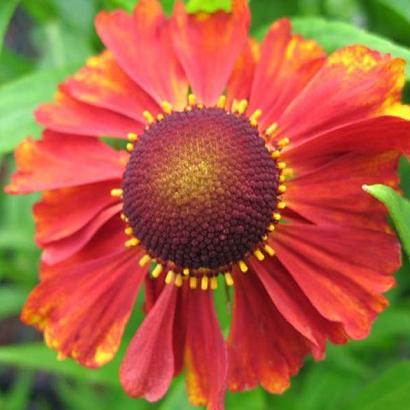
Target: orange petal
<point>75,308</point>
<point>348,205</point>
<point>205,353</point>
<point>64,211</point>
<point>148,366</point>
<point>355,83</point>
<point>60,160</point>
<point>263,348</point>
<point>71,116</point>
<point>55,252</point>
<point>240,81</point>
<point>104,84</point>
<point>141,46</point>
<point>344,284</point>
<point>208,45</point>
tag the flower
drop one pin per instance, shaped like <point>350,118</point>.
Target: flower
<point>252,181</point>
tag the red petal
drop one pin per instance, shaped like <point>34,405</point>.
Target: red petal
<point>205,354</point>
<point>71,116</point>
<point>62,212</point>
<point>75,309</point>
<point>263,348</point>
<point>148,366</point>
<point>102,83</point>
<point>372,135</point>
<point>153,289</point>
<point>287,64</point>
<point>354,84</point>
<point>240,82</point>
<point>341,270</point>
<point>59,161</point>
<point>293,305</point>
<point>208,45</point>
<point>57,251</point>
<point>108,239</point>
<point>313,194</point>
<point>142,48</point>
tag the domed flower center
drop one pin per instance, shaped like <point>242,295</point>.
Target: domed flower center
<point>200,189</point>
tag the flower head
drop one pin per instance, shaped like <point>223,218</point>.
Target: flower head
<point>252,181</point>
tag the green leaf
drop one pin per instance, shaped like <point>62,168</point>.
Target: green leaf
<point>18,396</point>
<point>7,8</point>
<point>398,207</point>
<point>389,391</point>
<point>18,99</point>
<point>38,357</point>
<point>332,35</point>
<point>208,6</point>
<point>400,7</point>
<point>12,299</point>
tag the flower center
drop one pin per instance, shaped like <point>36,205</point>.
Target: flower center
<point>200,189</point>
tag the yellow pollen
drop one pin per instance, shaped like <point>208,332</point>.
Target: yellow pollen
<point>221,101</point>
<point>128,230</point>
<point>271,228</point>
<point>185,271</point>
<point>243,266</point>
<point>132,242</point>
<point>275,154</point>
<point>160,117</point>
<point>281,165</point>
<point>281,205</point>
<point>145,260</point>
<point>253,119</point>
<point>167,107</point>
<point>179,280</point>
<point>130,147</point>
<point>214,283</point>
<point>157,271</point>
<point>282,188</point>
<point>242,106</point>
<point>170,277</point>
<point>259,255</point>
<point>132,137</point>
<point>204,283</point>
<point>283,142</point>
<point>271,129</point>
<point>200,105</point>
<point>123,217</point>
<point>264,237</point>
<point>287,172</point>
<point>148,116</point>
<point>269,250</point>
<point>282,178</point>
<point>116,192</point>
<point>277,216</point>
<point>235,104</point>
<point>191,99</point>
<point>193,282</point>
<point>228,279</point>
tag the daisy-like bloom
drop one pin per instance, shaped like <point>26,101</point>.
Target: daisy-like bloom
<point>242,167</point>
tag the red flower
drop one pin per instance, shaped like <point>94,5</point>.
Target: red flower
<point>202,186</point>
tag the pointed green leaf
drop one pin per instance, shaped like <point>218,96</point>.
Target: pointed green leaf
<point>398,207</point>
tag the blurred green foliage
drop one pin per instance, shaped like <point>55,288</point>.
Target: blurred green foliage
<point>49,39</point>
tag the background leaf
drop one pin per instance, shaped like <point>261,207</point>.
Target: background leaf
<point>7,8</point>
<point>18,99</point>
<point>389,391</point>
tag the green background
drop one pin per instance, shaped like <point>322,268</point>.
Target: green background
<point>44,40</point>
